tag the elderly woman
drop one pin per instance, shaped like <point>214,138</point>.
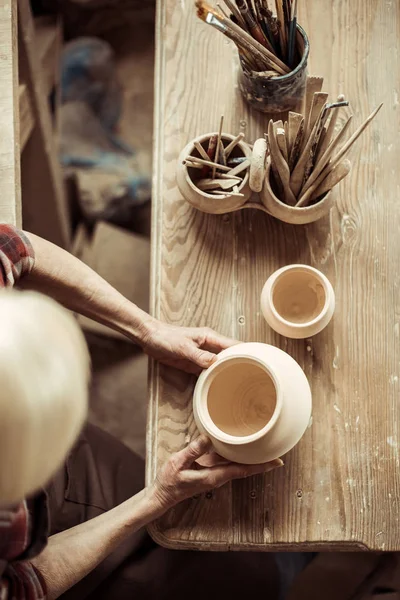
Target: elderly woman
<point>95,507</point>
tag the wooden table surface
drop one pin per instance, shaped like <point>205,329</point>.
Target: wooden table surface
<point>340,486</point>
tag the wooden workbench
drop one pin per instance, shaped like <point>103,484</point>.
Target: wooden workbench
<point>340,486</point>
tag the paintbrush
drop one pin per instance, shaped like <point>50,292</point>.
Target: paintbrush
<point>240,37</point>
<point>292,33</point>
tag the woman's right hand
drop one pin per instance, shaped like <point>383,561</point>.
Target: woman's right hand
<point>184,475</point>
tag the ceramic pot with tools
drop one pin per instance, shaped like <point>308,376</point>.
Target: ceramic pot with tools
<point>254,403</point>
<point>296,215</point>
<point>189,178</point>
<point>298,301</point>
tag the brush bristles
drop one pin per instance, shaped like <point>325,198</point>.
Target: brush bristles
<point>203,9</point>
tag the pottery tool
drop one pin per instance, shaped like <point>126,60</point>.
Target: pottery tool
<point>232,162</point>
<point>217,150</point>
<point>294,123</point>
<point>221,193</point>
<point>232,144</point>
<point>314,85</point>
<point>212,145</point>
<point>201,151</point>
<point>337,174</point>
<point>337,158</point>
<point>318,103</point>
<point>331,126</point>
<point>280,165</point>
<point>211,184</point>
<point>208,163</point>
<point>325,158</point>
<point>281,139</point>
<point>296,132</point>
<point>258,165</point>
<point>239,168</point>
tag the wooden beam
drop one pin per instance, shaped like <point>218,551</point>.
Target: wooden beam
<point>10,184</point>
<point>45,210</point>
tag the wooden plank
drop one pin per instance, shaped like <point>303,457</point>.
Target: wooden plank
<point>340,486</point>
<point>48,40</point>
<point>10,186</point>
<point>45,207</point>
<point>26,119</point>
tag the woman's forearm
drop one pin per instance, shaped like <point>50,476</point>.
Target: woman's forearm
<point>72,554</point>
<point>80,289</point>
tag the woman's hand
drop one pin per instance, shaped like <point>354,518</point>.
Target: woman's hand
<point>191,349</point>
<point>184,475</point>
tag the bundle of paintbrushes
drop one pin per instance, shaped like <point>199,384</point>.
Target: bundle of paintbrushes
<point>307,154</point>
<point>266,43</point>
<point>220,170</point>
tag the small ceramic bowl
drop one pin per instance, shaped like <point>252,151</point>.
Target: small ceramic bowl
<point>291,214</point>
<point>186,178</point>
<point>298,301</point>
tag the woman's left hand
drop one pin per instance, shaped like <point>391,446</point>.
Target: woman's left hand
<point>191,349</point>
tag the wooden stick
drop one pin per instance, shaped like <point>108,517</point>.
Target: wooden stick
<point>319,125</point>
<point>221,193</point>
<point>281,24</point>
<point>232,144</point>
<point>281,139</point>
<point>337,174</point>
<point>217,149</point>
<point>294,122</point>
<point>210,184</point>
<point>281,165</point>
<point>314,84</point>
<point>267,54</point>
<point>297,176</point>
<point>221,156</point>
<point>331,128</point>
<point>201,151</point>
<point>226,176</point>
<point>211,150</point>
<point>239,168</point>
<point>323,161</point>
<point>208,163</point>
<point>236,13</point>
<point>239,36</point>
<point>318,103</point>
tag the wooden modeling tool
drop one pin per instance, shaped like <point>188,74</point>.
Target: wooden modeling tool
<point>258,165</point>
<point>337,174</point>
<point>280,165</point>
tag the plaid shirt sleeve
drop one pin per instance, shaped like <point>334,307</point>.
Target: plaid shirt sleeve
<point>16,256</point>
<point>19,579</point>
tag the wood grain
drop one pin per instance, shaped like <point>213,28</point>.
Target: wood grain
<point>10,185</point>
<point>340,486</point>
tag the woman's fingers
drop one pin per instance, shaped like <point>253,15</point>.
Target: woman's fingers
<point>216,476</point>
<point>185,458</point>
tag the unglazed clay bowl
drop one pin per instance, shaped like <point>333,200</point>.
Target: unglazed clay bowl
<point>254,403</point>
<point>290,214</point>
<point>186,178</point>
<point>298,301</point>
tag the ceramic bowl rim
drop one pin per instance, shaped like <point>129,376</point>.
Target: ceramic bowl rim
<point>194,187</point>
<point>211,428</point>
<point>318,275</point>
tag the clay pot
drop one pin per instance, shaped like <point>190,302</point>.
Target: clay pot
<point>298,301</point>
<point>291,214</point>
<point>254,403</point>
<point>187,176</point>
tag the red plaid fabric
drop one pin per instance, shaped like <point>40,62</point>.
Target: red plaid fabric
<point>16,255</point>
<point>23,529</point>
